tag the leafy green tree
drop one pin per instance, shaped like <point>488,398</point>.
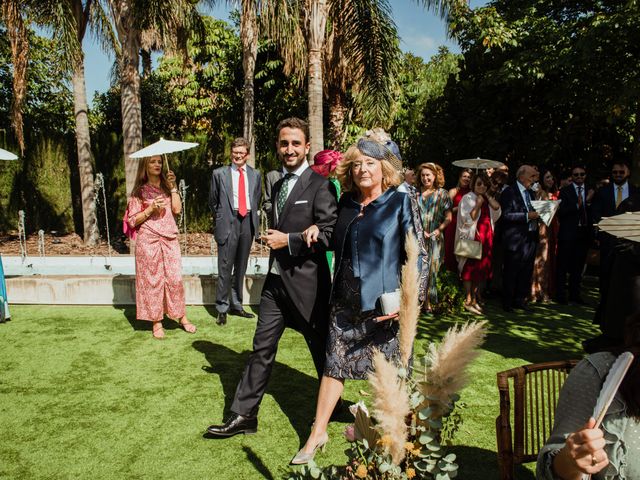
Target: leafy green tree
<point>543,82</point>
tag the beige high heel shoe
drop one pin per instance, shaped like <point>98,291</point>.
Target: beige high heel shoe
<point>302,457</point>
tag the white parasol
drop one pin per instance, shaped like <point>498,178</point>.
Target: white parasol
<point>477,163</point>
<point>6,155</point>
<point>625,225</point>
<point>162,147</point>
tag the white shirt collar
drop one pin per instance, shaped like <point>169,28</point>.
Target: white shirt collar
<point>298,171</point>
<point>236,168</point>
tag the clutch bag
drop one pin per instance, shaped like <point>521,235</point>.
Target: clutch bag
<point>468,249</point>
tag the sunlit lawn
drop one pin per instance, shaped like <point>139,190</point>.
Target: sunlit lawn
<point>85,392</point>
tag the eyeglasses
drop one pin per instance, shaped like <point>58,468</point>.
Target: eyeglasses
<point>581,174</point>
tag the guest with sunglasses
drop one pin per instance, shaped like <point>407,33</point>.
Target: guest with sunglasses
<point>605,204</point>
<point>574,236</point>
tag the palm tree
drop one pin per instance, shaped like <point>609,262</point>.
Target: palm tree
<point>170,19</point>
<point>249,40</point>
<point>12,16</point>
<point>342,46</point>
<point>70,20</point>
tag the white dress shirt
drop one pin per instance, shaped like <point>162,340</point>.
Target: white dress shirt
<point>235,178</point>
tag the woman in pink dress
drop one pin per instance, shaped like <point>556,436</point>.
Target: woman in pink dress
<point>477,215</point>
<point>456,194</point>
<point>150,214</point>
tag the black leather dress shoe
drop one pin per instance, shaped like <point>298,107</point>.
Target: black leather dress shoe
<point>241,313</point>
<point>234,425</point>
<point>222,319</point>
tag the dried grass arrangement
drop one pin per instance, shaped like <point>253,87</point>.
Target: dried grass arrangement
<point>411,413</point>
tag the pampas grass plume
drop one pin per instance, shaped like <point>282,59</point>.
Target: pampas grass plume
<point>409,303</point>
<point>445,373</point>
<point>390,405</point>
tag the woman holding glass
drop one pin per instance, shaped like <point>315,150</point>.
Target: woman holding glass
<point>150,214</point>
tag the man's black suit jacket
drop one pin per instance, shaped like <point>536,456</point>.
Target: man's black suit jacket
<point>304,271</point>
<point>516,237</point>
<point>569,214</point>
<point>604,202</point>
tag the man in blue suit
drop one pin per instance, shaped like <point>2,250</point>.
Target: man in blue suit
<point>520,239</point>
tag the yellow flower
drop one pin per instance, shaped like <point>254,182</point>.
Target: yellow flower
<point>361,472</point>
<point>385,441</point>
<point>408,446</point>
<point>410,473</point>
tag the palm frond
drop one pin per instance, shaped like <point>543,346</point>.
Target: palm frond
<point>368,40</point>
<point>283,22</point>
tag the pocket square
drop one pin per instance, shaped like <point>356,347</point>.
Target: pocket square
<point>298,202</point>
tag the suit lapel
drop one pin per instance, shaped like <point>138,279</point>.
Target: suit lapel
<point>300,186</point>
<point>228,186</point>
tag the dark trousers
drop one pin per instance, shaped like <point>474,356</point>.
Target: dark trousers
<point>233,256</point>
<point>277,311</point>
<point>517,274</point>
<point>572,255</point>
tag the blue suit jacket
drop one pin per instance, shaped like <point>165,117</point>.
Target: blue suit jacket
<point>377,242</point>
<point>516,237</point>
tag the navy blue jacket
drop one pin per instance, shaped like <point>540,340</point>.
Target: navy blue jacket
<point>377,242</point>
<point>516,237</point>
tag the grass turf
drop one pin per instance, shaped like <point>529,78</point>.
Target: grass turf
<point>86,392</point>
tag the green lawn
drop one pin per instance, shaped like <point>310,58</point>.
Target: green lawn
<point>86,392</point>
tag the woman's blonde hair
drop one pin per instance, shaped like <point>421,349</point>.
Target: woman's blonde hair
<point>141,178</point>
<point>390,176</point>
<point>437,171</point>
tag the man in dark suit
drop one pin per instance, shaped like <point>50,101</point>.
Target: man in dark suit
<point>520,238</point>
<point>605,204</point>
<point>270,180</point>
<point>295,292</point>
<point>574,236</point>
<point>234,198</point>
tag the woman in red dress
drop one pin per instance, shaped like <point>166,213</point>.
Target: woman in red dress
<point>477,214</point>
<point>456,194</point>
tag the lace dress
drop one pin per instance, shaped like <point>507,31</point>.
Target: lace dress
<point>354,336</point>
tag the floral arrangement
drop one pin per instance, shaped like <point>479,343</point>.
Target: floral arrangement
<point>412,415</point>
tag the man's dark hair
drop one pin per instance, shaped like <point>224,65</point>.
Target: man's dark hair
<point>240,142</point>
<point>294,122</point>
<point>581,166</point>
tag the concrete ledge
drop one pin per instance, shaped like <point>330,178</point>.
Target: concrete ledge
<point>84,280</point>
<point>113,289</point>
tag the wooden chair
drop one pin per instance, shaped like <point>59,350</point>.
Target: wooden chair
<point>536,388</point>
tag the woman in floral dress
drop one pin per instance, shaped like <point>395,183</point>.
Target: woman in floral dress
<point>435,207</point>
<point>150,215</point>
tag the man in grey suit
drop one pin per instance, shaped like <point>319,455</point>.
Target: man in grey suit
<point>236,192</point>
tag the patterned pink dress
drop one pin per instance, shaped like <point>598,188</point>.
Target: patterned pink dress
<point>159,288</point>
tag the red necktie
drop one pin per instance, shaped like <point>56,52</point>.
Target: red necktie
<point>242,196</point>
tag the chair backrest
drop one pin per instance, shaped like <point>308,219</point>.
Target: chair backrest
<point>536,388</point>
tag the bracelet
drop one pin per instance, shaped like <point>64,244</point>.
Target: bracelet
<point>174,190</point>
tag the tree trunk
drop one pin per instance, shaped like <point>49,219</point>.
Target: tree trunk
<point>17,33</point>
<point>83,144</point>
<point>129,39</point>
<point>316,21</point>
<point>337,115</point>
<point>249,37</point>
